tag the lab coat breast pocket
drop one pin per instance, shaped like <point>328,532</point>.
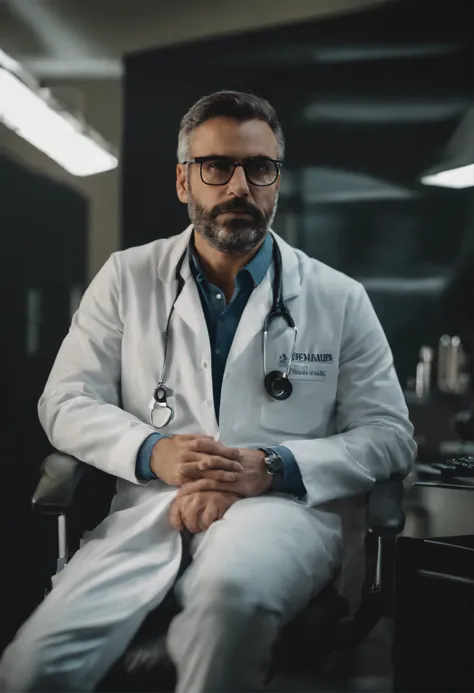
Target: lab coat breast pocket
<point>306,410</point>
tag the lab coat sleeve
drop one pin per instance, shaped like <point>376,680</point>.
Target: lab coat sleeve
<point>374,435</point>
<point>80,406</point>
<point>143,468</point>
<point>292,482</point>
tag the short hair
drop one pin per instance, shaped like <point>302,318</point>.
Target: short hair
<point>241,106</point>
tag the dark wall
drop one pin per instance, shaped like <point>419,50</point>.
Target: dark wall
<point>43,228</point>
<point>367,101</point>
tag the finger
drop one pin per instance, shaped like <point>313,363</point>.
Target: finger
<point>175,516</point>
<point>202,485</point>
<point>208,517</point>
<point>214,447</point>
<point>216,462</point>
<point>192,436</point>
<point>193,470</point>
<point>218,475</point>
<point>191,520</point>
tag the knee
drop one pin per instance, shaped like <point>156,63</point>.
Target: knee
<point>230,597</point>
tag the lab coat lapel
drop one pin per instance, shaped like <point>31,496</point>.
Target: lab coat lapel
<point>253,317</point>
<point>260,301</point>
<point>188,306</point>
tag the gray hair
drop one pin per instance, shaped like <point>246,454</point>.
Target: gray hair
<point>228,104</point>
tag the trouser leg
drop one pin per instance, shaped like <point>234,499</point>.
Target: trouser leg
<point>45,657</point>
<point>223,644</point>
<point>248,578</point>
<point>95,608</point>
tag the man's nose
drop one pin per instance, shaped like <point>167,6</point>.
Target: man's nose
<point>238,184</point>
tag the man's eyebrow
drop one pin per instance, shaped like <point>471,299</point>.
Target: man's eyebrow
<point>227,156</point>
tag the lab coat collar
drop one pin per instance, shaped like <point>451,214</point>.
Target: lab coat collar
<point>188,305</point>
<point>256,269</point>
<point>168,261</point>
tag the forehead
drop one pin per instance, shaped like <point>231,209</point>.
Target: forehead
<point>229,137</point>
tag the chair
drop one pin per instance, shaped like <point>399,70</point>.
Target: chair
<point>324,628</point>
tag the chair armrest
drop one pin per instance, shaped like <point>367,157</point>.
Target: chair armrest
<point>60,476</point>
<point>385,513</point>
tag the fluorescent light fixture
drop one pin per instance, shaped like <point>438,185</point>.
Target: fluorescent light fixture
<point>458,178</point>
<point>42,121</point>
<point>456,169</point>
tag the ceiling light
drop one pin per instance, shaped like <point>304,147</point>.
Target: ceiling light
<point>42,121</point>
<point>462,177</point>
<point>456,170</point>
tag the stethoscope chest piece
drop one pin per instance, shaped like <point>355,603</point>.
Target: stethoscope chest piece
<point>161,411</point>
<point>278,386</point>
<point>161,393</point>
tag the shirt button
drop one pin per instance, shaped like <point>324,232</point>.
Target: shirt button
<point>217,351</point>
<point>218,296</point>
<point>208,403</point>
<point>204,365</point>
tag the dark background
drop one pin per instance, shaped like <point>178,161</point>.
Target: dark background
<point>42,265</point>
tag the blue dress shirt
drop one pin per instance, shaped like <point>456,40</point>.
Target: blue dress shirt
<point>222,321</point>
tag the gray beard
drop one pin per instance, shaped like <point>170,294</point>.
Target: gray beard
<point>236,236</point>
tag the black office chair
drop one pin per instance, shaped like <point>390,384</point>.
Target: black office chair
<point>325,627</point>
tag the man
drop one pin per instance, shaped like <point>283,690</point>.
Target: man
<point>267,485</point>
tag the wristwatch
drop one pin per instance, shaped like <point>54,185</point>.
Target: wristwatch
<point>274,464</point>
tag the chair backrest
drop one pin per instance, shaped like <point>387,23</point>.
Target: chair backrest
<point>91,504</point>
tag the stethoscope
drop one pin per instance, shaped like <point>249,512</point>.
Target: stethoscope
<point>277,383</point>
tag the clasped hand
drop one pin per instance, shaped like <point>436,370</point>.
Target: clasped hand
<point>211,477</point>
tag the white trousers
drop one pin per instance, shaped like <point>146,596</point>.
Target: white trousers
<point>251,573</point>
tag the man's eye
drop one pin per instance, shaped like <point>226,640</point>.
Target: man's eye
<point>260,166</point>
<point>218,165</point>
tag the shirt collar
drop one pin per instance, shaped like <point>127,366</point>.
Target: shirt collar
<point>257,267</point>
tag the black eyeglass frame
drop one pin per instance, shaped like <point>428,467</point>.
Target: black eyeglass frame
<point>200,160</point>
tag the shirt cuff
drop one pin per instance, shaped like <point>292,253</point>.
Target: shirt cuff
<point>292,482</point>
<point>143,469</point>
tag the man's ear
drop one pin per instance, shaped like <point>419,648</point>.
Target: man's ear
<point>182,183</point>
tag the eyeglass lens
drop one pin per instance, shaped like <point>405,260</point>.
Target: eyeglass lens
<point>258,171</point>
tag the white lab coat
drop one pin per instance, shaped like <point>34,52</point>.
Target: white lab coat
<point>346,423</point>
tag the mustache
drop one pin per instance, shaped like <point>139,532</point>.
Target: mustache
<point>237,205</point>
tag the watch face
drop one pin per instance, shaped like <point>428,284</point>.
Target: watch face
<point>276,465</point>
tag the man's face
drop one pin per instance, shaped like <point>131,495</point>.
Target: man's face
<point>234,217</point>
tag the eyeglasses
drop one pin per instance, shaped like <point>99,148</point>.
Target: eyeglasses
<point>218,170</point>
